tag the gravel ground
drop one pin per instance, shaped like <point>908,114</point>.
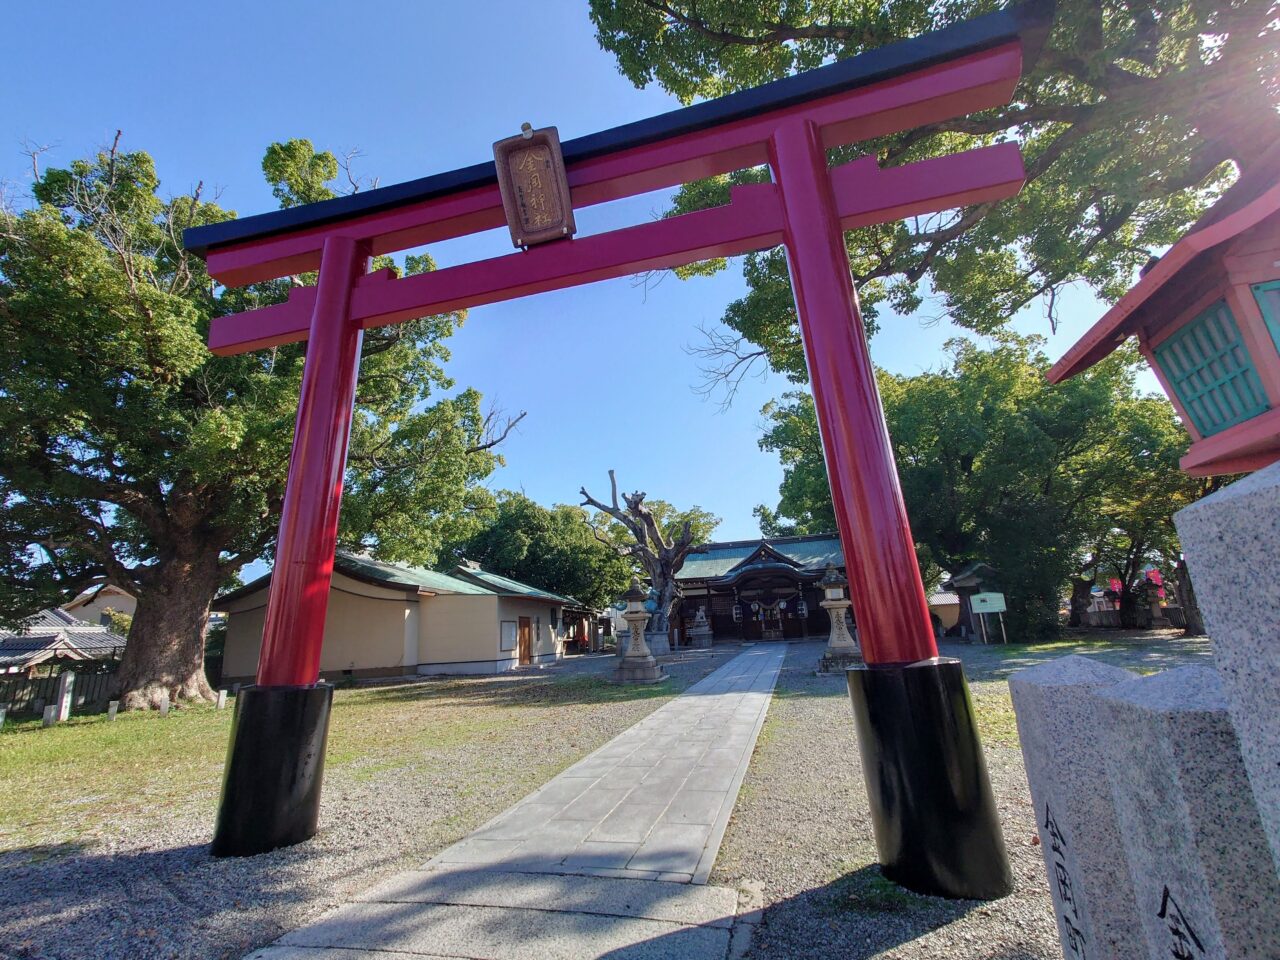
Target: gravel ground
<point>149,889</point>
<point>800,840</point>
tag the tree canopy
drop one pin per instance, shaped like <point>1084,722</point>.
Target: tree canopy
<point>552,548</point>
<point>131,455</point>
<point>1131,119</point>
<point>1042,482</point>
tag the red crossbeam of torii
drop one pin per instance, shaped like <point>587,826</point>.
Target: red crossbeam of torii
<point>806,207</point>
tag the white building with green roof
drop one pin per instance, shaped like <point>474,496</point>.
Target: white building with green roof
<point>390,620</point>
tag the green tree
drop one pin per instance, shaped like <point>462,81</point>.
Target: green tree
<point>130,455</point>
<point>1130,120</point>
<point>549,548</point>
<point>1042,482</point>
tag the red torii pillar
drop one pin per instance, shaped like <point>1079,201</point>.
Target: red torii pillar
<point>934,816</point>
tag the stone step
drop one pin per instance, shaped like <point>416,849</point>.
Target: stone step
<point>494,915</point>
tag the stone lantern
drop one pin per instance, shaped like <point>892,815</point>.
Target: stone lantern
<point>1207,318</point>
<point>842,649</point>
<point>637,664</point>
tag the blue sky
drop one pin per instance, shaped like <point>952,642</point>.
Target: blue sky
<point>419,88</point>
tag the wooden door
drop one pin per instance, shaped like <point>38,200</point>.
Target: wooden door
<point>525,643</point>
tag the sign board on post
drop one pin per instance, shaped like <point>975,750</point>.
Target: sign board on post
<point>987,603</point>
<point>534,186</point>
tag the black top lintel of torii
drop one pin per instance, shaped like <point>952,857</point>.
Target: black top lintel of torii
<point>1028,21</point>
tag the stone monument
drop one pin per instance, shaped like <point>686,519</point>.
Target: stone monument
<point>1231,540</point>
<point>700,635</point>
<point>66,691</point>
<point>637,664</point>
<point>1075,811</point>
<point>1198,858</point>
<point>842,649</point>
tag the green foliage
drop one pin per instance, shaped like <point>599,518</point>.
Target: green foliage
<point>997,465</point>
<point>297,173</point>
<point>1129,120</point>
<point>118,621</point>
<point>132,455</point>
<point>549,548</point>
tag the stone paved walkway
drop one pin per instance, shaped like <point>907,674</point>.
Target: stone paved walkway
<point>610,858</point>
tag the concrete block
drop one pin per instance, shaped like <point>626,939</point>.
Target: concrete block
<point>3,711</point>
<point>1231,540</point>
<point>50,716</point>
<point>113,708</point>
<point>672,847</point>
<point>1197,854</point>
<point>164,706</point>
<point>1079,835</point>
<point>222,699</point>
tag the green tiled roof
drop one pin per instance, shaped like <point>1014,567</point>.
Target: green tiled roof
<point>500,584</point>
<point>401,575</point>
<point>719,558</point>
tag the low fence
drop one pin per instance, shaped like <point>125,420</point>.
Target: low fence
<point>89,691</point>
<point>1111,618</point>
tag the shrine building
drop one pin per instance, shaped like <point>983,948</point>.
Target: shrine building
<point>394,620</point>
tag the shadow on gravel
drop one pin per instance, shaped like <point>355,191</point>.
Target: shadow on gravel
<point>566,683</point>
<point>998,661</point>
<point>177,902</point>
<point>863,915</point>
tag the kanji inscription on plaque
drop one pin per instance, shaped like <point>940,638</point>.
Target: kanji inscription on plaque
<point>534,186</point>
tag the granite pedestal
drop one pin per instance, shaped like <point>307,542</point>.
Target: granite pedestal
<point>1093,897</point>
<point>1231,542</point>
<point>638,670</point>
<point>637,665</point>
<point>659,643</point>
<point>842,652</point>
<point>1197,855</point>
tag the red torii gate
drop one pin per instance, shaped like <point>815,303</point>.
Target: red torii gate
<point>934,816</point>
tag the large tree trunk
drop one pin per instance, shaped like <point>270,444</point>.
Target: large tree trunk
<point>1131,608</point>
<point>1186,591</point>
<point>668,597</point>
<point>661,557</point>
<point>1081,596</point>
<point>165,653</point>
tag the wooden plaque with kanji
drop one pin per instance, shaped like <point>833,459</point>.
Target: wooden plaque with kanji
<point>535,189</point>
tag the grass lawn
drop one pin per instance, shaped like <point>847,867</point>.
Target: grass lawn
<point>75,780</point>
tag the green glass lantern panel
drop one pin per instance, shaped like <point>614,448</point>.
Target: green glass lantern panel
<point>1211,372</point>
<point>1268,297</point>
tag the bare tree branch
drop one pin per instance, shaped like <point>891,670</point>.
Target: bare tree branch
<point>494,434</point>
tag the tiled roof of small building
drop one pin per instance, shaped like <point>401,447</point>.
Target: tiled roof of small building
<point>505,585</point>
<point>53,633</point>
<point>717,559</point>
<point>403,575</point>
<point>464,580</point>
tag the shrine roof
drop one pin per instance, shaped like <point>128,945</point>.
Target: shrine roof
<point>1027,21</point>
<point>1249,201</point>
<point>718,559</point>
